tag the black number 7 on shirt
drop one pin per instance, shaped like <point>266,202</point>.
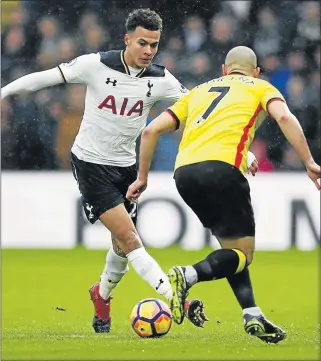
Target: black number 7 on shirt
<point>223,90</point>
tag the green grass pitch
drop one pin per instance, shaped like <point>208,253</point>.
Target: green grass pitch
<point>34,282</point>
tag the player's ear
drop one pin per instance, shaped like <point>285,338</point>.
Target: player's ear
<point>224,70</point>
<point>257,72</point>
<point>126,39</point>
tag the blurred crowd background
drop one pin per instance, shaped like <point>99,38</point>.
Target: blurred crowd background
<point>38,129</point>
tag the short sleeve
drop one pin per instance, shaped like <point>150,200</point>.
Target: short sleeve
<point>179,110</point>
<point>174,89</point>
<point>79,70</point>
<point>270,93</point>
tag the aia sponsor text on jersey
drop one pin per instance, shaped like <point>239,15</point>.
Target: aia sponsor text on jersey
<point>110,103</point>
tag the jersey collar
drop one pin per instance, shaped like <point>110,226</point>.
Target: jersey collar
<point>126,68</point>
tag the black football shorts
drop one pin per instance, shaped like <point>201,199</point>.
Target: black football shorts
<point>219,195</point>
<point>103,187</point>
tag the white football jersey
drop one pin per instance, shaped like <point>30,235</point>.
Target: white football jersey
<point>117,104</point>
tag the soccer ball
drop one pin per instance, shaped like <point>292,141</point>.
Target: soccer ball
<point>151,318</point>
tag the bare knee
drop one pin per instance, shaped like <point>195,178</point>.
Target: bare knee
<point>248,250</point>
<point>246,245</point>
<point>128,240</point>
<point>249,254</point>
<point>122,228</point>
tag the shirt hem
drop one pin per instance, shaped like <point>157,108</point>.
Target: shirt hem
<point>78,153</point>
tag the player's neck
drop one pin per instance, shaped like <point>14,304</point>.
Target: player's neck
<point>129,61</point>
<point>236,73</point>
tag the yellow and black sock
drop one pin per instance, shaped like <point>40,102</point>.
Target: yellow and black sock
<point>220,264</point>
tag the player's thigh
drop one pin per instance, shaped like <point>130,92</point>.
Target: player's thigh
<point>237,209</point>
<point>98,185</point>
<point>236,212</point>
<point>188,180</point>
<point>219,195</point>
<point>200,186</point>
<point>237,229</point>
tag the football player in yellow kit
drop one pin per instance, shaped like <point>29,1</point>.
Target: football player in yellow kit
<point>221,117</point>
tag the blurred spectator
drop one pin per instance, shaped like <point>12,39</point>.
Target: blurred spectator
<point>168,60</point>
<point>17,19</point>
<point>267,39</point>
<point>275,73</point>
<point>240,8</point>
<point>298,101</point>
<point>313,90</point>
<point>175,46</point>
<point>13,52</point>
<point>296,93</point>
<point>287,19</point>
<point>67,50</point>
<point>291,160</point>
<point>69,123</point>
<point>95,39</point>
<point>223,32</point>
<point>198,68</point>
<point>309,24</point>
<point>67,12</point>
<point>50,32</point>
<point>34,135</point>
<point>88,20</point>
<point>195,35</point>
<point>297,63</point>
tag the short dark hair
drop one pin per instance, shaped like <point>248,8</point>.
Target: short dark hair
<point>145,18</point>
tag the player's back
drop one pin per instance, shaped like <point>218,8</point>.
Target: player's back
<point>221,118</point>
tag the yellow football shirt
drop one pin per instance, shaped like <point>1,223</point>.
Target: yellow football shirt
<point>221,118</point>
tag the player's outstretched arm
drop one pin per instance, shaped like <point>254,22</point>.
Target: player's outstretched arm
<point>293,132</point>
<point>162,124</point>
<point>33,82</point>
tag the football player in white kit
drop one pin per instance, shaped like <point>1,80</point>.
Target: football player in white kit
<point>122,86</point>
